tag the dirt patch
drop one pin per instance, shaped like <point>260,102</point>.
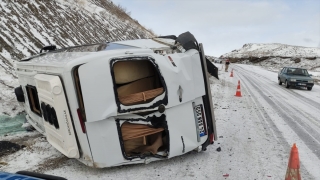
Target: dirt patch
<point>27,140</point>
<point>51,164</point>
<point>7,147</point>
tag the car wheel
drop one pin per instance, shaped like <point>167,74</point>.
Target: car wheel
<point>279,81</point>
<point>309,88</point>
<point>287,85</point>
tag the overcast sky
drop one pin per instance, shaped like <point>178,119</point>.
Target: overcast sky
<point>223,26</point>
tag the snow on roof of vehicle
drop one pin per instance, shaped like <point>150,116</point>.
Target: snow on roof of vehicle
<point>84,53</point>
<point>62,56</point>
<point>148,43</point>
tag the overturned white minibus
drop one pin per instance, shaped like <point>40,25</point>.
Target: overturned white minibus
<point>119,103</point>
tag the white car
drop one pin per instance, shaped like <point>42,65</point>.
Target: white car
<point>218,61</point>
<point>120,103</point>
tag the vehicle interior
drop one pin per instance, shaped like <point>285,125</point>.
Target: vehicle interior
<point>138,82</point>
<point>142,140</point>
<point>297,71</point>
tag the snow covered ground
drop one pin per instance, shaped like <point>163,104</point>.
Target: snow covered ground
<point>256,132</point>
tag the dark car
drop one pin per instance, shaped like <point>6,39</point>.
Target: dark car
<point>295,77</point>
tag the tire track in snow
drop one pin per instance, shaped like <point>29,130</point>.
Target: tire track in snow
<point>306,126</point>
<point>251,150</point>
<point>305,133</point>
<point>312,119</point>
<point>263,114</point>
<point>269,124</point>
<point>297,95</point>
<point>289,113</point>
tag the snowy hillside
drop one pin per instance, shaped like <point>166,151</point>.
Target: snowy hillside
<point>275,56</point>
<point>27,26</point>
<point>274,50</point>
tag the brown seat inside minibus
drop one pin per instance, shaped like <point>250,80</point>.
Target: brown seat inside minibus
<point>137,86</point>
<point>137,82</point>
<point>141,139</point>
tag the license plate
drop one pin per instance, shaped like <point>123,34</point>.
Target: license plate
<point>301,84</point>
<point>198,110</point>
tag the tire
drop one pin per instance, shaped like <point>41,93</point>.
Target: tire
<point>279,81</point>
<point>309,88</point>
<point>286,84</point>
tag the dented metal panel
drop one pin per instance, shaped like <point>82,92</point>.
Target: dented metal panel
<point>185,77</point>
<point>183,132</point>
<point>97,90</point>
<point>104,142</point>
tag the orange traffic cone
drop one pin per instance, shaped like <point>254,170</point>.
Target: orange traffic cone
<point>293,170</point>
<point>238,93</point>
<point>231,75</point>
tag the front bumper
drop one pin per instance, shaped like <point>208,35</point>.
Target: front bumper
<point>300,84</point>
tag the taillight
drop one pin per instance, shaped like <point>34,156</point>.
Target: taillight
<point>81,121</point>
<point>211,138</point>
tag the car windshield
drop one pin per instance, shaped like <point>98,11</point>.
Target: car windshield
<point>297,71</point>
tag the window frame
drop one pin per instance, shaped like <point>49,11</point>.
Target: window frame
<point>33,99</point>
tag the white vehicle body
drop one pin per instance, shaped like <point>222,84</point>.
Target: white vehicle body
<point>218,61</point>
<point>71,97</point>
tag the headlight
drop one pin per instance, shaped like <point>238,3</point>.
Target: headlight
<point>294,80</point>
<point>310,81</point>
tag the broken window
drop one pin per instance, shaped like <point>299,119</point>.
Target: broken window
<point>33,99</point>
<point>140,140</point>
<point>137,81</point>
